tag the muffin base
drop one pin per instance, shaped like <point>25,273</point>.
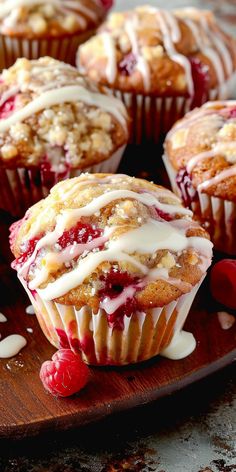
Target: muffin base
<point>152,117</point>
<point>218,216</point>
<point>63,49</point>
<point>144,335</point>
<point>20,188</point>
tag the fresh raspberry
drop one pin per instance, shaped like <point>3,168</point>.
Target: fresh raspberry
<point>201,80</point>
<point>127,64</point>
<point>107,4</point>
<point>65,374</point>
<point>184,183</point>
<point>7,108</point>
<point>81,233</point>
<point>223,282</point>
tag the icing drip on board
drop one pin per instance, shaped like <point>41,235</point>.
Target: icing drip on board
<point>11,345</point>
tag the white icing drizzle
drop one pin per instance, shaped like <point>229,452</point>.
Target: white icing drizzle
<point>110,305</point>
<point>11,346</point>
<point>165,21</point>
<point>153,235</point>
<point>142,65</point>
<point>182,345</point>
<point>71,93</point>
<point>3,318</point>
<point>209,41</point>
<point>146,239</point>
<point>8,94</point>
<point>109,45</point>
<point>224,174</point>
<point>70,217</point>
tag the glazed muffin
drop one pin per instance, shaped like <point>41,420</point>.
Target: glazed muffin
<point>161,63</point>
<point>200,158</point>
<point>111,264</point>
<point>53,125</point>
<point>36,28</point>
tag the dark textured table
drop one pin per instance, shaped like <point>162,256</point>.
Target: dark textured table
<point>193,431</point>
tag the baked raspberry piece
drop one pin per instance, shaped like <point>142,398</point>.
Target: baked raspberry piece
<point>223,282</point>
<point>114,284</point>
<point>29,248</point>
<point>7,108</point>
<point>127,65</point>
<point>81,233</point>
<point>201,80</point>
<point>65,374</point>
<point>49,176</point>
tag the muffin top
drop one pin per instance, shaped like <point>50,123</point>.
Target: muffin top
<point>153,51</point>
<point>43,18</point>
<point>52,117</point>
<point>112,242</point>
<point>202,148</point>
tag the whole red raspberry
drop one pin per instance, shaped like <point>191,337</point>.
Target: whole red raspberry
<point>223,282</point>
<point>65,375</point>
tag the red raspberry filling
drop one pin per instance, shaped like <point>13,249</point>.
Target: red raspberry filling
<point>223,282</point>
<point>65,374</point>
<point>82,233</point>
<point>114,284</point>
<point>7,108</point>
<point>184,183</point>
<point>232,113</point>
<point>29,248</point>
<point>163,215</point>
<point>201,80</point>
<point>127,64</point>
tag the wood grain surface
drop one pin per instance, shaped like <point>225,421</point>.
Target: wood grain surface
<point>25,407</point>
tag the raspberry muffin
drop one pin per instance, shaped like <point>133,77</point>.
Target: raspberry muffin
<point>111,265</point>
<point>161,63</point>
<point>53,125</point>
<point>200,158</point>
<point>36,28</point>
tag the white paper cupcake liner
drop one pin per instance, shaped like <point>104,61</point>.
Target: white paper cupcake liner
<point>63,49</point>
<point>152,117</point>
<point>20,188</point>
<point>217,215</point>
<point>144,335</point>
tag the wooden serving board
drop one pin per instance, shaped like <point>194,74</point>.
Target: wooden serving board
<point>27,409</point>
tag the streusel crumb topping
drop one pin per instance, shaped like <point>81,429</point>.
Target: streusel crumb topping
<point>39,18</point>
<point>100,239</point>
<point>48,112</point>
<point>201,146</point>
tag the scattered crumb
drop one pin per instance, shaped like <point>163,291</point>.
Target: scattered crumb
<point>30,330</point>
<point>225,319</point>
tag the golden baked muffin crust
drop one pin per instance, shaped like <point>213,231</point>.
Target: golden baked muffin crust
<point>102,239</point>
<point>203,144</point>
<point>43,18</point>
<point>49,113</point>
<point>166,53</point>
